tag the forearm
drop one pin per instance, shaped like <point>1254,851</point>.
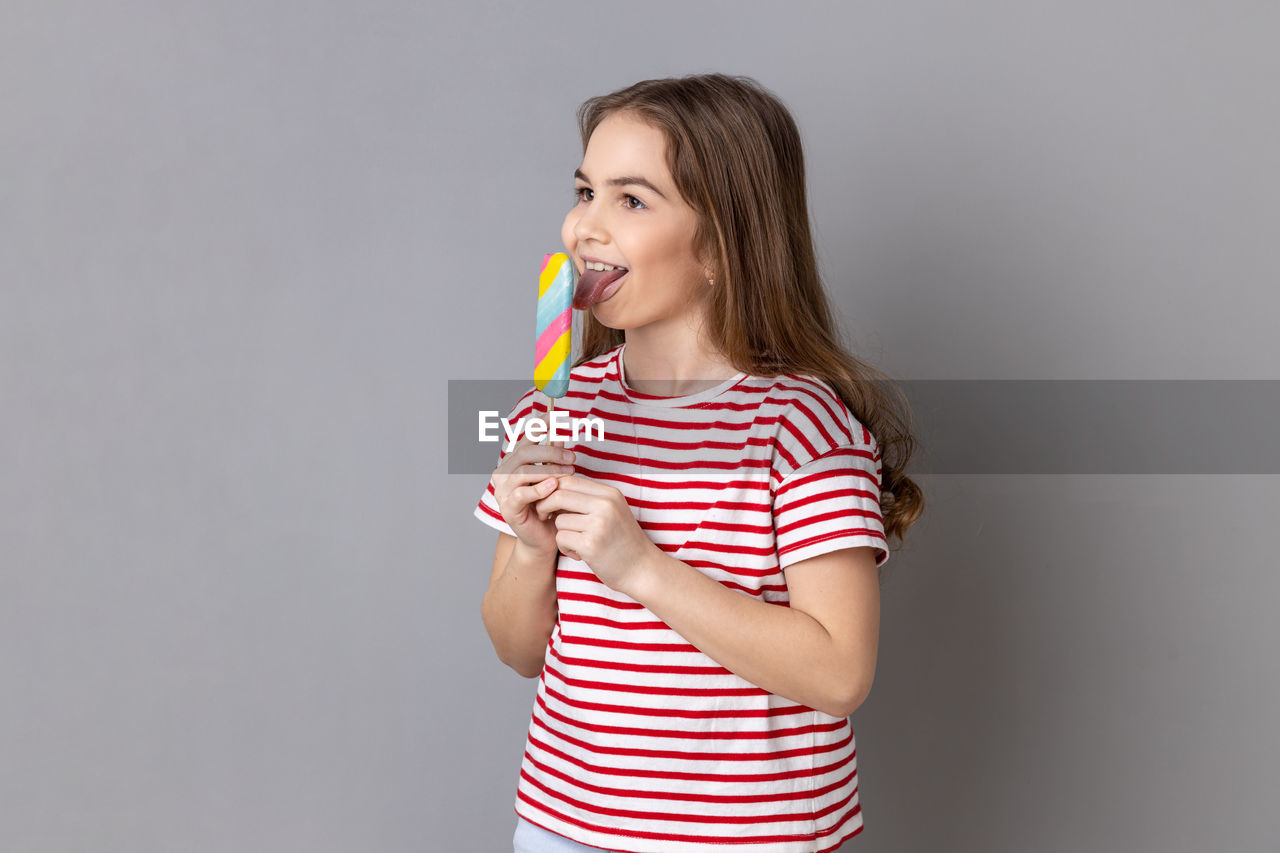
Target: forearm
<point>774,647</point>
<point>519,610</point>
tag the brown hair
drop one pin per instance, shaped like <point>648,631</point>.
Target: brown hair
<point>734,152</point>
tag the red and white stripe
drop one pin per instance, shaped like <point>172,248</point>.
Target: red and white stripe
<point>638,741</point>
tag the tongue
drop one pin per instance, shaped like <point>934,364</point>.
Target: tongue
<point>591,286</point>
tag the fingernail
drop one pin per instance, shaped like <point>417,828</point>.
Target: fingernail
<point>566,456</point>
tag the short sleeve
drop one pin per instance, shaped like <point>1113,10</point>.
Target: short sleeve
<point>487,508</point>
<point>830,503</point>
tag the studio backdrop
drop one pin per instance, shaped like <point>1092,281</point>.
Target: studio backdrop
<point>247,250</point>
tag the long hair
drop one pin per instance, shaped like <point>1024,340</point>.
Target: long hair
<point>734,152</point>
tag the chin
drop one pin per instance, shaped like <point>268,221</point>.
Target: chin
<point>595,312</point>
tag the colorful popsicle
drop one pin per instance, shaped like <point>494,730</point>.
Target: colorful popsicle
<point>553,351</point>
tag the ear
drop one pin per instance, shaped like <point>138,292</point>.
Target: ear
<point>709,257</point>
<point>709,264</point>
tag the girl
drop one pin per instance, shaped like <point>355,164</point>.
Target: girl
<point>698,593</point>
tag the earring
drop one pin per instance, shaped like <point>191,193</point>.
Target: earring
<point>711,282</point>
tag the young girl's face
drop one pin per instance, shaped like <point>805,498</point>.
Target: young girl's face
<point>629,214</point>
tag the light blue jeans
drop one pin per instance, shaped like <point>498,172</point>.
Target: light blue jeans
<point>531,838</point>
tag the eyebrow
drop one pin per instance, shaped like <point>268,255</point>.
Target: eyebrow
<point>626,180</point>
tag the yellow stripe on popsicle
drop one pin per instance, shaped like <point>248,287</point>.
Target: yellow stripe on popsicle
<point>557,355</point>
<point>548,275</point>
<point>552,346</point>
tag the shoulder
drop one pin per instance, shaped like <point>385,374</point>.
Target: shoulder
<point>811,421</point>
<point>597,367</point>
<point>587,378</point>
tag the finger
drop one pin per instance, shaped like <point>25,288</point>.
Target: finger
<point>547,507</point>
<point>528,496</point>
<point>508,487</point>
<point>550,453</point>
<point>561,500</point>
<point>531,451</point>
<point>568,542</point>
<point>575,522</point>
<point>528,447</point>
<point>584,486</point>
<point>542,491</point>
<point>524,441</point>
<point>532,454</point>
<point>511,458</point>
<point>533,473</point>
<point>546,490</point>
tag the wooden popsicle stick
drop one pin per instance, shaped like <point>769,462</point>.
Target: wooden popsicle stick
<point>551,407</point>
<point>546,439</point>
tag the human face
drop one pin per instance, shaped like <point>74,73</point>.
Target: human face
<point>642,224</point>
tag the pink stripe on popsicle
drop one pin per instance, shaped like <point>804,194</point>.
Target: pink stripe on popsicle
<point>551,334</point>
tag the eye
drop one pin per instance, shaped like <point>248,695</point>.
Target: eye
<point>577,194</point>
<point>632,198</point>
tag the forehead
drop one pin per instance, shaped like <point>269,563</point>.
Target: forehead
<point>623,145</point>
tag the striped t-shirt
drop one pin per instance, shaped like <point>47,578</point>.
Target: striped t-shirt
<point>638,741</point>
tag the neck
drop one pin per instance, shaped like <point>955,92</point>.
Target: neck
<point>672,366</point>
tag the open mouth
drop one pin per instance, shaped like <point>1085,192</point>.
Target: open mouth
<point>597,286</point>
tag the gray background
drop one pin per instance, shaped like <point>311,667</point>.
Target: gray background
<point>243,247</point>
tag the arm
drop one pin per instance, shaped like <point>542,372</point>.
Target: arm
<point>820,651</point>
<point>519,608</point>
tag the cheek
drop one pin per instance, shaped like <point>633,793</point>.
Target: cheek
<point>566,231</point>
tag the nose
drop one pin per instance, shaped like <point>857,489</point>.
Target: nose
<point>589,226</point>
